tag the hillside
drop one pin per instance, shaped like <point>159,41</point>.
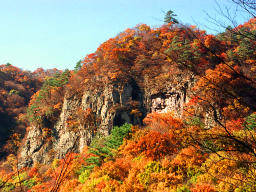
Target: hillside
<point>153,109</point>
<point>16,88</point>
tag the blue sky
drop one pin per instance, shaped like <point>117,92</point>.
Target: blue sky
<point>58,33</point>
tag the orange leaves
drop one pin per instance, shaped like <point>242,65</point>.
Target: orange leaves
<point>235,125</point>
<point>117,169</point>
<point>209,41</point>
<point>213,44</point>
<point>143,27</point>
<point>161,139</point>
<point>203,188</point>
<point>162,122</point>
<point>69,185</point>
<point>215,82</point>
<point>153,145</point>
<point>89,58</point>
<point>189,157</point>
<point>33,172</point>
<point>57,106</point>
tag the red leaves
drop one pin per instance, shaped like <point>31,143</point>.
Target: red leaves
<point>193,100</point>
<point>153,145</point>
<point>189,157</point>
<point>203,188</point>
<point>163,122</point>
<point>162,139</point>
<point>117,169</point>
<point>33,172</point>
<point>235,124</point>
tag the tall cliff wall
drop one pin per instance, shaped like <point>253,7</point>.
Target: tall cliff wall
<point>100,110</point>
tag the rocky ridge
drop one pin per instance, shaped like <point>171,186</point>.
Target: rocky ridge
<point>115,105</point>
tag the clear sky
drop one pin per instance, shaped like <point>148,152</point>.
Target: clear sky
<point>58,33</point>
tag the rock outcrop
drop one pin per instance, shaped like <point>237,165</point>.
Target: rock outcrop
<point>112,106</point>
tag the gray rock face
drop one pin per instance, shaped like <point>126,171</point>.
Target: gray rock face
<point>171,101</point>
<point>114,105</point>
<point>109,107</point>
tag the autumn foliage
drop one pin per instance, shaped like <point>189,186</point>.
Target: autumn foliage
<point>209,147</point>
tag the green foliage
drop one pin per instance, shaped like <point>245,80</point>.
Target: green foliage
<point>193,174</point>
<point>13,91</point>
<point>152,167</point>
<point>209,146</point>
<point>102,148</point>
<point>41,104</point>
<point>55,163</point>
<point>8,187</point>
<point>117,135</point>
<point>186,156</point>
<point>59,80</point>
<point>246,45</point>
<point>250,122</point>
<point>183,189</point>
<point>183,54</point>
<point>78,66</point>
<point>84,176</point>
<point>29,183</point>
<point>170,17</point>
<point>195,121</point>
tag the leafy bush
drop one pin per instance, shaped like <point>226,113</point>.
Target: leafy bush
<point>250,122</point>
<point>29,183</point>
<point>102,148</point>
<point>152,167</point>
<point>48,99</point>
<point>8,187</point>
<point>84,176</point>
<point>183,189</point>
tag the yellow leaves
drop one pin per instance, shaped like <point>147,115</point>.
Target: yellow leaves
<point>69,186</point>
<point>235,109</point>
<point>130,43</point>
<point>11,161</point>
<point>250,61</point>
<point>196,43</point>
<point>113,75</point>
<point>225,171</point>
<point>85,81</point>
<point>143,27</point>
<point>169,59</point>
<point>253,68</point>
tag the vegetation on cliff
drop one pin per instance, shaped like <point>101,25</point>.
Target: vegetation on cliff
<point>16,88</point>
<point>211,148</point>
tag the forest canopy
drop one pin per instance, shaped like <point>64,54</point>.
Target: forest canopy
<point>210,147</point>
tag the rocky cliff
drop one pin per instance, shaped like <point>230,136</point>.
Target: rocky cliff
<point>97,111</point>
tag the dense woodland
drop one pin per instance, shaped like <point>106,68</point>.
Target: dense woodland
<point>16,88</point>
<point>166,153</point>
